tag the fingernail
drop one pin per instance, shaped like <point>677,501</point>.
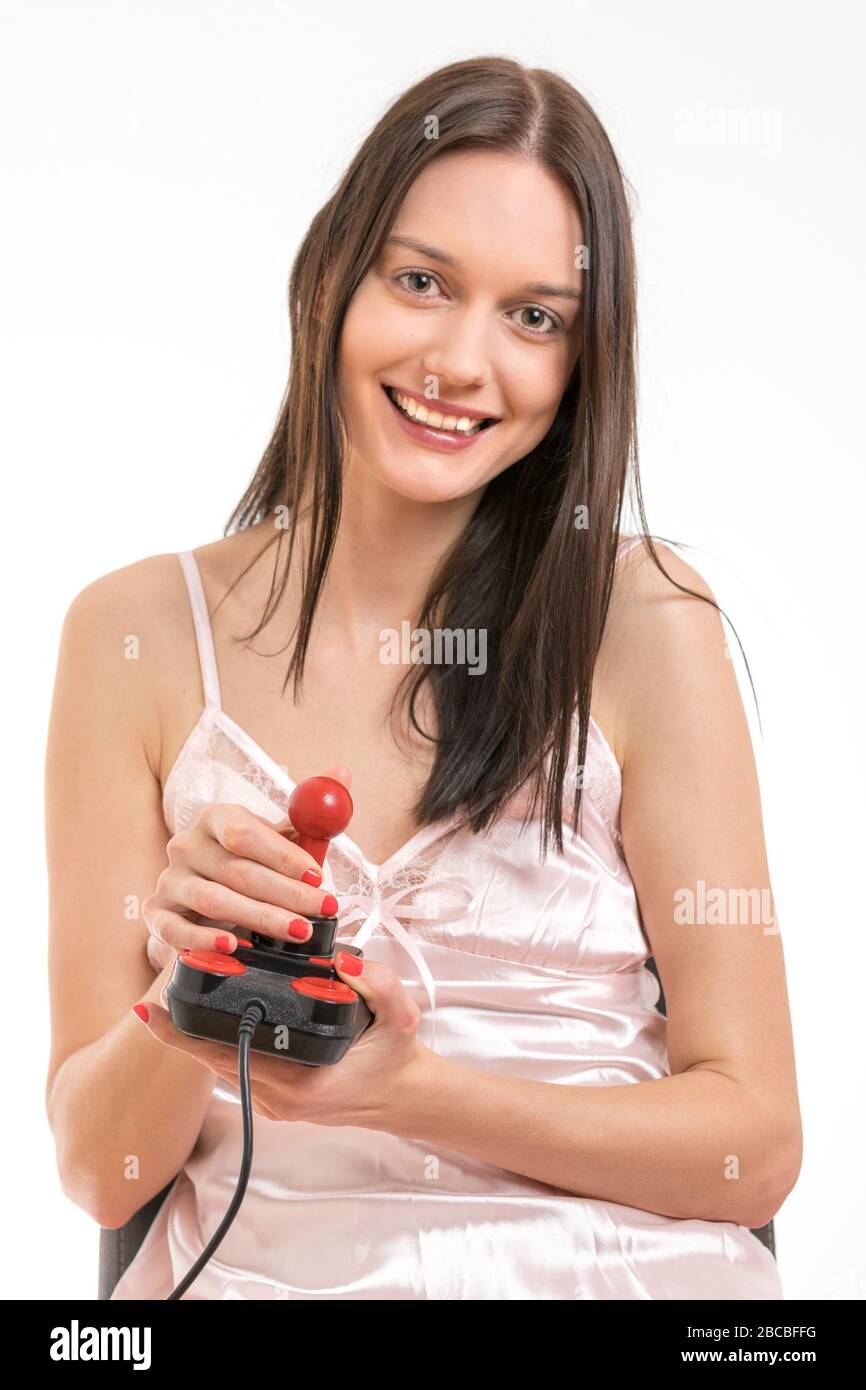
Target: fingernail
<point>141,1011</point>
<point>329,905</point>
<point>224,943</point>
<point>311,876</point>
<point>352,965</point>
<point>299,930</point>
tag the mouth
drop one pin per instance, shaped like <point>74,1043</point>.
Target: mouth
<point>436,422</point>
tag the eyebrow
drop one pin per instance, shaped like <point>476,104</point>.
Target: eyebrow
<point>435,254</point>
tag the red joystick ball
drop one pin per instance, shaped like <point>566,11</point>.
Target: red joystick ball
<point>319,809</point>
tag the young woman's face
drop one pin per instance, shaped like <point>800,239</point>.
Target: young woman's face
<point>480,314</point>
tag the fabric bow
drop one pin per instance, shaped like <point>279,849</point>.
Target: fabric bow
<point>387,909</point>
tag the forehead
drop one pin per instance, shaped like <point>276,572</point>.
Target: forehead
<point>488,208</point>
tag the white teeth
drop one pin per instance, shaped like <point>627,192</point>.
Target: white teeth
<point>434,418</point>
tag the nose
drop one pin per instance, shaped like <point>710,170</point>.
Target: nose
<point>459,352</point>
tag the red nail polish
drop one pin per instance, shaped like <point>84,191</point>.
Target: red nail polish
<point>352,965</point>
<point>311,876</point>
<point>141,1010</point>
<point>299,930</point>
<point>329,905</point>
<point>224,943</point>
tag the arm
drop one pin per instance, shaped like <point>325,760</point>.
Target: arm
<point>124,1111</point>
<point>720,1138</point>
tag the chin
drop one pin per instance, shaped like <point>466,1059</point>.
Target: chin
<point>425,485</point>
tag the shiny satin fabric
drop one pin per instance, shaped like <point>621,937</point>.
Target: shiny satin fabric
<point>520,968</point>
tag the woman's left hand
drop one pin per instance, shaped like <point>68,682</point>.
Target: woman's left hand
<point>372,1086</point>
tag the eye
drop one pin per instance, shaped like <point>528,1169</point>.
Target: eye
<point>417,275</point>
<point>536,309</point>
<point>431,279</point>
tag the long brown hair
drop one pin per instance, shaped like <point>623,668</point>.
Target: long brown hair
<point>521,570</point>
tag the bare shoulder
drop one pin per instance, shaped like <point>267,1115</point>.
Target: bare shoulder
<point>661,646</point>
<point>153,589</point>
<point>145,586</point>
<point>126,632</point>
<point>142,605</point>
<point>132,632</point>
<point>644,594</point>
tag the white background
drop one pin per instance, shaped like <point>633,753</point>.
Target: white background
<point>160,165</point>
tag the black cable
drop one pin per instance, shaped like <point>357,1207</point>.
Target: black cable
<point>252,1015</point>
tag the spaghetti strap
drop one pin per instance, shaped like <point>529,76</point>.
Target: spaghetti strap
<point>626,545</point>
<point>203,631</point>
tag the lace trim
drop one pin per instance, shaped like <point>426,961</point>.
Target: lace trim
<point>604,785</point>
<point>414,873</point>
<point>212,744</point>
<point>221,748</point>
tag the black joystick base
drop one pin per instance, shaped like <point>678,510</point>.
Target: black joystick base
<point>310,1015</point>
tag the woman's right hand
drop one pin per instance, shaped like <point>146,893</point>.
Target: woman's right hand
<point>235,869</point>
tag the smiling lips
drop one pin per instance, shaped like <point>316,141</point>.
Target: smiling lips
<point>433,426</point>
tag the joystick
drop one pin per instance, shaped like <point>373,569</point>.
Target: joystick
<point>306,1013</point>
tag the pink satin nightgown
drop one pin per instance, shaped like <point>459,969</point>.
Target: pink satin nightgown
<point>535,971</point>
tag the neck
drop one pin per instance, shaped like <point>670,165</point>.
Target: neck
<point>386,552</point>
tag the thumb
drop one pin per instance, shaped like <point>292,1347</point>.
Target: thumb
<point>340,773</point>
<point>380,988</point>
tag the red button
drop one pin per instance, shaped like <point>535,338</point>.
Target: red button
<point>213,962</point>
<point>334,990</point>
<point>320,960</point>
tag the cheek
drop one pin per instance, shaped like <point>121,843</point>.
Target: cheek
<point>354,342</point>
<point>378,332</point>
<point>541,389</point>
<point>534,413</point>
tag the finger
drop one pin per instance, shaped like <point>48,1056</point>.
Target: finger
<point>219,1057</point>
<point>243,833</point>
<point>381,989</point>
<point>158,953</point>
<point>340,773</point>
<point>179,933</point>
<point>225,906</point>
<point>269,1073</point>
<point>253,880</point>
<point>216,1056</point>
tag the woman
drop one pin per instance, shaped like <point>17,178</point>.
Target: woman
<point>452,454</point>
